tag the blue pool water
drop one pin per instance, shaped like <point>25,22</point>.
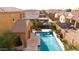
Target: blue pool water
<point>48,42</point>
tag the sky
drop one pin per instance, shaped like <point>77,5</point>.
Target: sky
<point>40,4</point>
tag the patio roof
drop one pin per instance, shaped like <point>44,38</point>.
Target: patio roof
<point>20,26</point>
<point>55,11</point>
<point>31,14</point>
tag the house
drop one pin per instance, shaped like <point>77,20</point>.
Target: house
<point>69,19</point>
<point>64,16</point>
<point>23,28</point>
<point>75,19</point>
<point>8,17</point>
<point>12,19</point>
<point>54,13</point>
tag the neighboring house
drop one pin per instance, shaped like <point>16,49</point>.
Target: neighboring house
<point>63,18</point>
<point>69,18</point>
<point>54,11</point>
<point>8,17</point>
<point>75,19</point>
<point>66,18</point>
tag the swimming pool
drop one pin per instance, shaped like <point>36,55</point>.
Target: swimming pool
<point>48,42</point>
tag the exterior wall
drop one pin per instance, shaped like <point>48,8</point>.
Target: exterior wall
<point>25,36</point>
<point>72,22</point>
<point>8,19</point>
<point>56,15</point>
<point>62,19</point>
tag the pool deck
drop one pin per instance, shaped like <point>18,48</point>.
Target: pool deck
<point>46,30</point>
<point>71,35</point>
<point>33,43</point>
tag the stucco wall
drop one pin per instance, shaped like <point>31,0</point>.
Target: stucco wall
<point>26,35</point>
<point>6,20</point>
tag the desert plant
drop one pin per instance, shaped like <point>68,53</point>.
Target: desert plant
<point>70,46</point>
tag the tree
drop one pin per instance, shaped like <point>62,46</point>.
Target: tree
<point>37,24</point>
<point>68,10</point>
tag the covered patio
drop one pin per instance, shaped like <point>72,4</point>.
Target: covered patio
<point>23,28</point>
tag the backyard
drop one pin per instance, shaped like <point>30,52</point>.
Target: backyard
<point>9,41</point>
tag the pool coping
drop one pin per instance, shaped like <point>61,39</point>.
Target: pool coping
<point>58,40</point>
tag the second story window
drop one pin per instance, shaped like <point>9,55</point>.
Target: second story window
<point>13,19</point>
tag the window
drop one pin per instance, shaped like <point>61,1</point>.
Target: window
<point>13,19</point>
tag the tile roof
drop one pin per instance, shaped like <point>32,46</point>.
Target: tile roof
<point>20,26</point>
<point>55,11</point>
<point>72,15</point>
<point>10,9</point>
<point>31,14</point>
<point>75,16</point>
<point>68,15</point>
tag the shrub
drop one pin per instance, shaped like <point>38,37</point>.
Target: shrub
<point>58,31</point>
<point>53,26</point>
<point>64,41</point>
<point>7,41</point>
<point>37,24</point>
<point>69,46</point>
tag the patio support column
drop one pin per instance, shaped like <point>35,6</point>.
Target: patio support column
<point>24,40</point>
<point>70,21</point>
<point>75,24</point>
